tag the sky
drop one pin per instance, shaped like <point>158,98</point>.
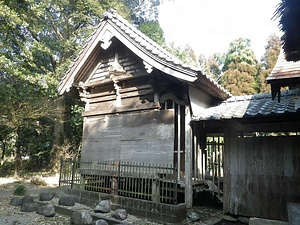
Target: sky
<point>209,26</point>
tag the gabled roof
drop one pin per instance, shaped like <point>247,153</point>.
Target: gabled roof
<point>259,105</point>
<point>153,55</point>
<point>284,69</point>
<point>284,73</point>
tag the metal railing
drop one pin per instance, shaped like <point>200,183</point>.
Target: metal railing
<point>152,182</point>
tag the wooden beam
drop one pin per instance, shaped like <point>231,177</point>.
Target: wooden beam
<point>145,106</point>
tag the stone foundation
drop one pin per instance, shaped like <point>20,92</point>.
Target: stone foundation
<point>152,211</point>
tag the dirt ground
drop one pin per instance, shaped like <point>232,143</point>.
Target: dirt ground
<point>12,215</point>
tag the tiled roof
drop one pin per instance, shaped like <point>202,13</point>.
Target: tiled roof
<point>152,50</point>
<point>141,39</point>
<point>284,69</point>
<point>253,106</point>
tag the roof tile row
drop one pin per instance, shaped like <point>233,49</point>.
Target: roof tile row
<point>253,106</point>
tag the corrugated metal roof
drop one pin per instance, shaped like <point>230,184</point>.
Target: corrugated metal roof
<point>253,106</point>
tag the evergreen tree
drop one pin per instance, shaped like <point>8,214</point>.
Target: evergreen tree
<point>268,62</point>
<point>240,68</point>
<point>154,31</point>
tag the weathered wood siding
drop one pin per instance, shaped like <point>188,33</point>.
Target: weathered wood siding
<point>137,137</point>
<point>124,118</point>
<point>262,175</point>
<point>133,65</point>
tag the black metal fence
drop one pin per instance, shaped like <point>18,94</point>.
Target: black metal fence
<point>151,182</point>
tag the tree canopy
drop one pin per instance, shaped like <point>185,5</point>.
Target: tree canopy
<point>240,68</point>
<point>38,40</point>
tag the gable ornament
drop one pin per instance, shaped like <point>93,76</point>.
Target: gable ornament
<point>148,67</point>
<point>106,39</point>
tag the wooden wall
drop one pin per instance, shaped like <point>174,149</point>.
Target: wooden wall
<point>262,174</point>
<point>126,117</point>
<point>136,137</point>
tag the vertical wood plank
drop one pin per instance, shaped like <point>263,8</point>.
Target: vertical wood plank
<point>188,160</point>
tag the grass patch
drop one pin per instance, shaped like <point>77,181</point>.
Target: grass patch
<point>20,190</point>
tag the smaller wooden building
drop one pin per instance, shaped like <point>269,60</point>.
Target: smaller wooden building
<point>139,99</point>
<point>262,142</point>
<point>284,74</point>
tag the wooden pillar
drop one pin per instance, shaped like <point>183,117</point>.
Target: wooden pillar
<point>230,145</point>
<point>82,182</point>
<point>155,190</point>
<point>188,160</point>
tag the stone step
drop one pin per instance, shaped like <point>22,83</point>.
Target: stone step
<point>293,213</point>
<point>260,221</point>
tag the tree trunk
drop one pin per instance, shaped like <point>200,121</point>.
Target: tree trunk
<point>58,136</point>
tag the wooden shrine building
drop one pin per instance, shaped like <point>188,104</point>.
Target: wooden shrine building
<point>139,99</point>
<point>144,105</point>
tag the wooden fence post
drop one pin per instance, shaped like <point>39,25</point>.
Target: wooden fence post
<point>73,172</point>
<point>60,171</point>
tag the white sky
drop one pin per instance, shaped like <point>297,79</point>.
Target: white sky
<point>209,26</point>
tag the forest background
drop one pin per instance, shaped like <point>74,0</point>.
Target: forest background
<point>40,39</point>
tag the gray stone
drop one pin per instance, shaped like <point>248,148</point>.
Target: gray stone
<point>81,218</point>
<point>103,207</point>
<point>46,210</point>
<point>66,201</point>
<point>293,213</point>
<point>244,220</point>
<point>100,222</point>
<point>27,199</point>
<point>29,207</point>
<point>193,216</point>
<point>46,196</point>
<point>229,218</point>
<point>260,221</point>
<point>119,214</point>
<point>16,201</point>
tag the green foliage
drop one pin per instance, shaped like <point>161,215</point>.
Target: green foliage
<point>241,74</point>
<point>268,62</point>
<point>240,68</point>
<point>212,65</point>
<point>38,40</point>
<point>20,190</point>
<point>239,79</point>
<point>76,125</point>
<point>141,11</point>
<point>7,168</point>
<point>153,31</point>
<point>186,54</point>
<point>239,51</point>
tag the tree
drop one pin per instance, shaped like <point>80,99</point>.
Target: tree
<point>239,51</point>
<point>38,40</point>
<point>153,30</point>
<point>186,54</point>
<point>212,65</point>
<point>240,68</point>
<point>268,62</point>
<point>143,10</point>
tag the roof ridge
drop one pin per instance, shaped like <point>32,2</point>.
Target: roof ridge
<point>111,14</point>
<point>167,56</point>
<point>153,50</point>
